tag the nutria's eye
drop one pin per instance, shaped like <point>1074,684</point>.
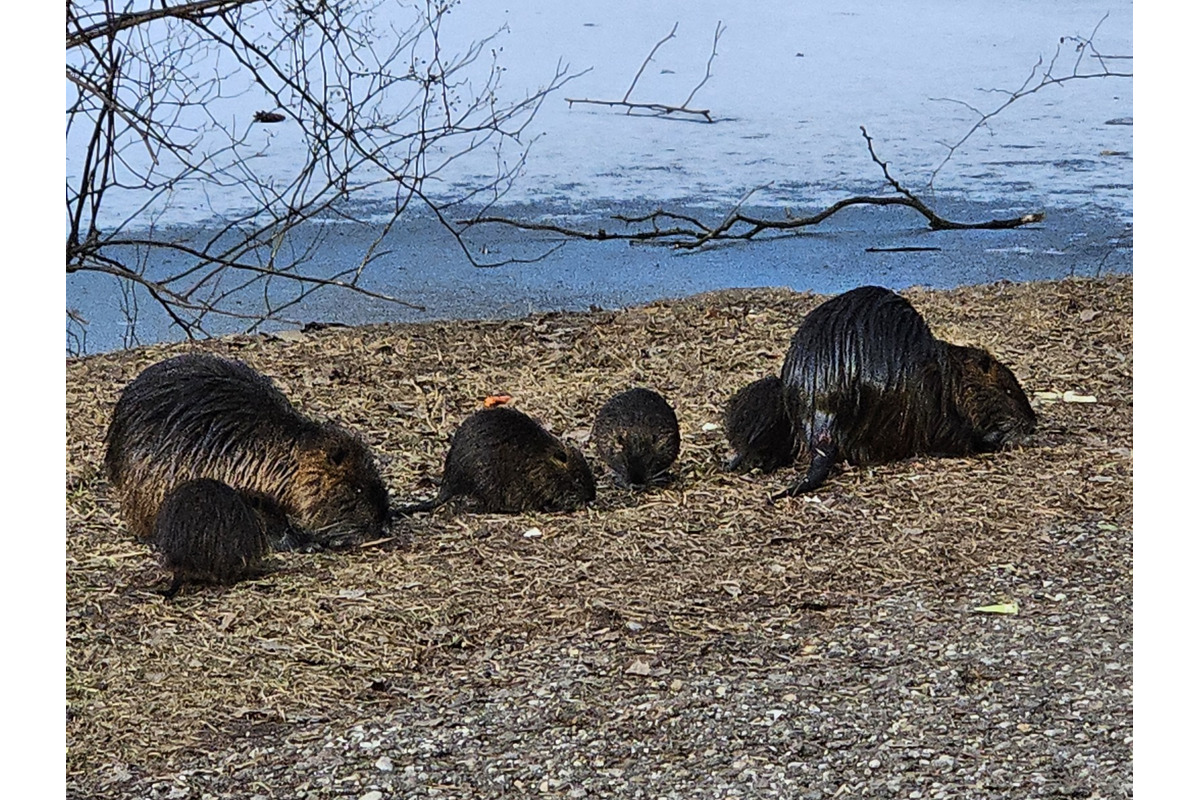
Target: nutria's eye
<point>560,457</point>
<point>338,455</point>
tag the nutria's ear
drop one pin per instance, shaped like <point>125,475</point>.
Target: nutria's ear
<point>985,361</point>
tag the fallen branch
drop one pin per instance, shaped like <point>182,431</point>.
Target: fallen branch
<point>1048,78</point>
<point>688,233</point>
<point>661,108</point>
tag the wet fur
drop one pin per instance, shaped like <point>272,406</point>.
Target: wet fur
<point>200,416</point>
<point>207,532</point>
<point>509,463</point>
<point>636,434</point>
<point>866,381</point>
<point>758,427</point>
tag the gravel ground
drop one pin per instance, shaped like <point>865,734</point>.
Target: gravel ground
<point>691,642</point>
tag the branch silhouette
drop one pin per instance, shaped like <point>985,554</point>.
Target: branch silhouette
<point>687,232</point>
<point>661,109</point>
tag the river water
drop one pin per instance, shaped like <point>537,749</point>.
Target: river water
<point>790,87</point>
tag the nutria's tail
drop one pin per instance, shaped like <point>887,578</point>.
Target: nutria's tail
<point>442,498</point>
<point>173,589</point>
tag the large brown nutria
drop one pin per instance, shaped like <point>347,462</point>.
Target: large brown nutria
<point>866,381</point>
<point>200,416</point>
<point>508,462</point>
<point>208,532</point>
<point>758,428</point>
<point>636,434</point>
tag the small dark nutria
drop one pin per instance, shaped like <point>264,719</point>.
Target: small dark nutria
<point>866,381</point>
<point>200,416</point>
<point>509,463</point>
<point>636,434</point>
<point>208,532</point>
<point>758,428</point>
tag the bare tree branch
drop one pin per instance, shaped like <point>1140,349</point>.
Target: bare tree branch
<point>660,109</point>
<point>653,50</point>
<point>377,116</point>
<point>1037,80</point>
<point>111,24</point>
<point>707,67</point>
<point>693,233</point>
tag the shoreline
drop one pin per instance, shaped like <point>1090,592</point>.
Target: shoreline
<point>695,635</point>
<point>424,265</point>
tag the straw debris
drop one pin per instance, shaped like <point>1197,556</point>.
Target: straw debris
<point>694,637</point>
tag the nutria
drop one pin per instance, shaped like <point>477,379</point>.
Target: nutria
<point>509,463</point>
<point>200,416</point>
<point>758,427</point>
<point>636,434</point>
<point>866,381</point>
<point>208,532</point>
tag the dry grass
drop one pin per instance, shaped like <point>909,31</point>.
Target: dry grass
<point>456,599</point>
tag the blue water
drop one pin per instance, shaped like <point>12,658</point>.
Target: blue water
<point>790,87</point>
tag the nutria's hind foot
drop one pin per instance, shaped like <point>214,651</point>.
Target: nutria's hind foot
<point>824,457</point>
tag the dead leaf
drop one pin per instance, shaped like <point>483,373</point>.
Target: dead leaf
<point>639,667</point>
<point>290,335</point>
<point>998,608</point>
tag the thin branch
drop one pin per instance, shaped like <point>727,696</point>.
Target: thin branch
<point>653,50</point>
<point>660,109</point>
<point>252,268</point>
<point>693,233</point>
<point>1048,78</point>
<point>112,25</point>
<point>707,67</point>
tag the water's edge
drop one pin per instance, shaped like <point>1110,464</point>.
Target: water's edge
<point>424,265</point>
